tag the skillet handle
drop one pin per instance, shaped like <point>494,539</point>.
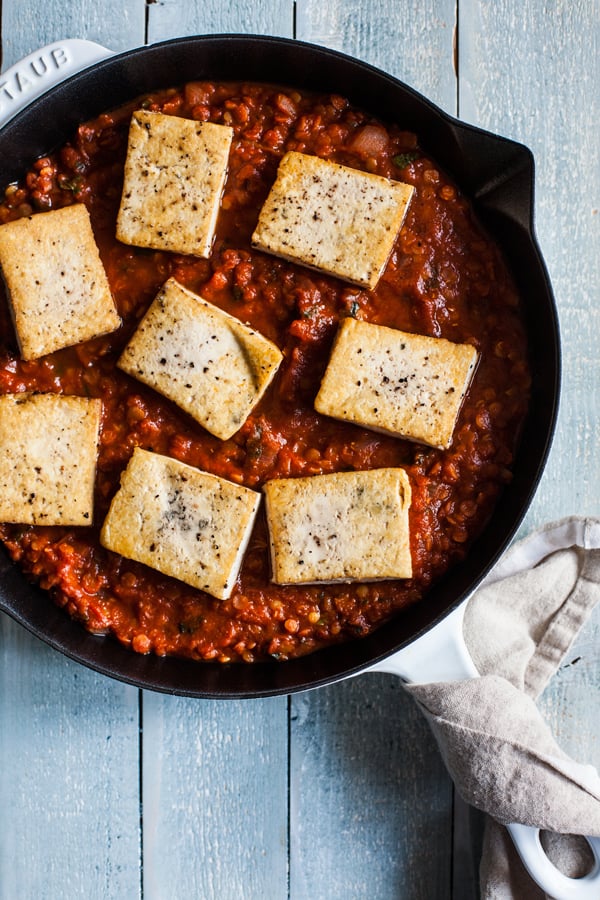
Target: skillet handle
<point>37,73</point>
<point>548,877</point>
<point>441,654</point>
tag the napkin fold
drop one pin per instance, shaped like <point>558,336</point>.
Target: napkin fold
<point>501,754</point>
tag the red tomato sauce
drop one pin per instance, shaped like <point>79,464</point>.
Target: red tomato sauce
<point>445,278</point>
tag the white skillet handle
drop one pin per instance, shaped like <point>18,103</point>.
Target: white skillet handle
<point>438,655</point>
<point>549,878</point>
<point>442,655</point>
<point>37,73</point>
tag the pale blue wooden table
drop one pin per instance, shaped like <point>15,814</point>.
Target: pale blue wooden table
<point>106,792</point>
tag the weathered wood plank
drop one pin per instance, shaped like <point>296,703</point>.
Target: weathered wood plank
<point>215,798</point>
<point>413,41</point>
<point>69,739</point>
<point>69,816</point>
<point>534,77</point>
<point>215,774</point>
<point>371,803</point>
<point>571,702</point>
<point>177,18</point>
<point>26,26</point>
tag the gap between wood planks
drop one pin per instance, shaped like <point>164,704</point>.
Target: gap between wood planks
<point>456,55</point>
<point>141,787</point>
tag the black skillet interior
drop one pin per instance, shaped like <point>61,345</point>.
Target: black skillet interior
<point>497,174</point>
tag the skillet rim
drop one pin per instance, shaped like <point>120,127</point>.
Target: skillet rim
<point>503,199</point>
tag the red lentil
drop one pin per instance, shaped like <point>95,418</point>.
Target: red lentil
<point>445,278</point>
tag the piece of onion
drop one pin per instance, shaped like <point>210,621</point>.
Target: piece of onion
<point>370,140</point>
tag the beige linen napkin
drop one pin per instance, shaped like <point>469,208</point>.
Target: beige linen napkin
<point>499,751</point>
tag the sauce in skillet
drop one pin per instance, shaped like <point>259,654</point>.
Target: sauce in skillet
<point>445,278</point>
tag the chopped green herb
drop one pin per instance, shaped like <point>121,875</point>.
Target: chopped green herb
<point>237,292</point>
<point>354,308</point>
<point>404,159</point>
<point>70,184</point>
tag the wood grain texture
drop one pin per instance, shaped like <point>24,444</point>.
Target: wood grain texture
<point>371,802</point>
<point>27,26</point>
<point>413,41</point>
<point>214,798</point>
<point>69,739</point>
<point>571,702</point>
<point>69,816</point>
<point>534,77</point>
<point>176,18</point>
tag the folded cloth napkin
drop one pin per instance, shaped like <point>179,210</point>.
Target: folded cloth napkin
<point>502,756</point>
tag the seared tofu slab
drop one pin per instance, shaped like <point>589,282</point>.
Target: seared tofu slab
<point>175,172</point>
<point>348,526</point>
<point>207,362</point>
<point>185,523</point>
<point>332,218</point>
<point>57,288</point>
<point>408,385</point>
<point>48,452</point>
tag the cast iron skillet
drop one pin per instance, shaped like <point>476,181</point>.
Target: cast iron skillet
<point>495,173</point>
